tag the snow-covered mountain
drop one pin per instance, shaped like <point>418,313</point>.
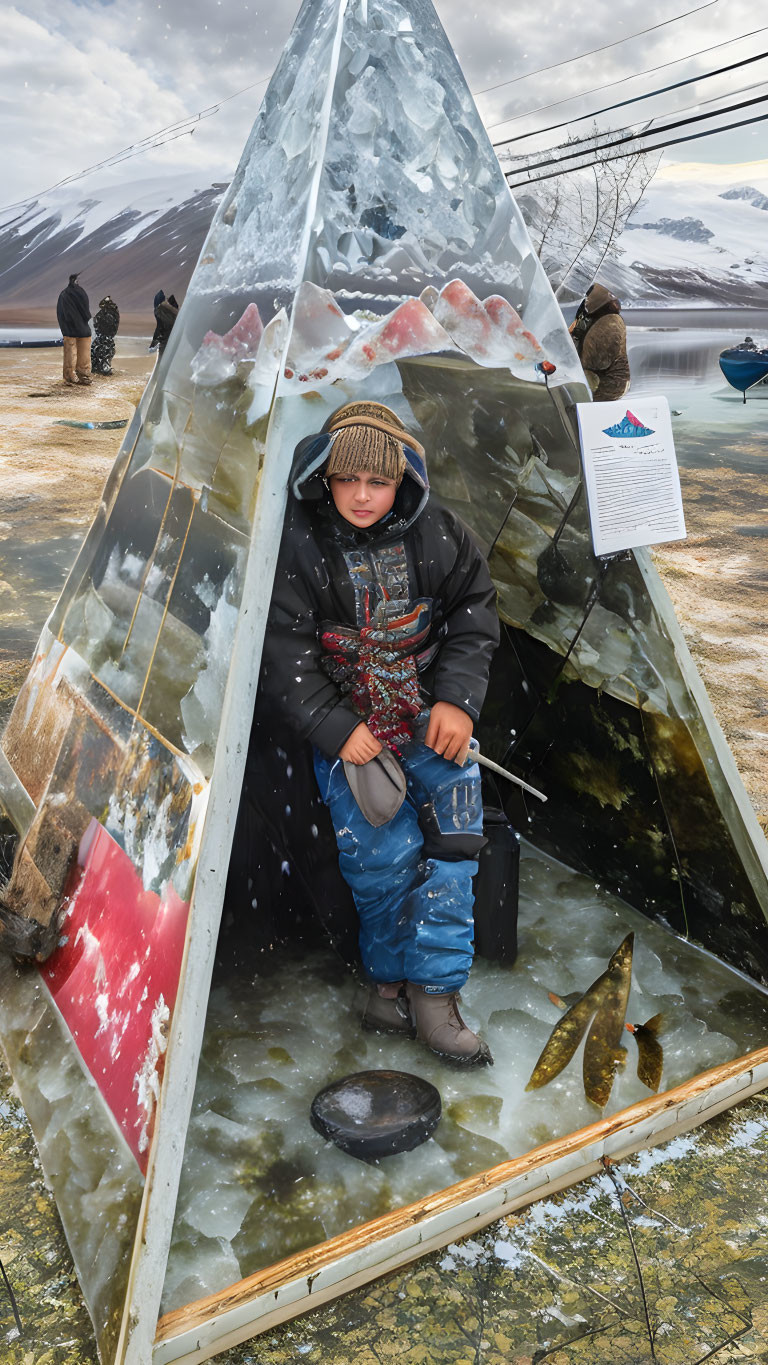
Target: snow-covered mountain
<point>126,238</point>
<point>699,236</point>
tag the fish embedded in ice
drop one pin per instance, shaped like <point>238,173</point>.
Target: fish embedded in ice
<point>650,1054</point>
<point>218,356</point>
<point>603,1053</point>
<point>600,1010</point>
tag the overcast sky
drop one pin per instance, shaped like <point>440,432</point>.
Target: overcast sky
<point>80,80</point>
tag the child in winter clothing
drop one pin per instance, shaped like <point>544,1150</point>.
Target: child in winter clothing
<point>381,634</point>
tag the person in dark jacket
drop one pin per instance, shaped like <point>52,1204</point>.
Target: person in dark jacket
<point>382,629</point>
<point>73,313</point>
<point>105,325</point>
<point>166,312</point>
<point>600,337</point>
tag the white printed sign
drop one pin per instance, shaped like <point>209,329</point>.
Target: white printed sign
<point>630,472</point>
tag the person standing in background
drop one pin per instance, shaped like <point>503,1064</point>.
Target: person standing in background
<point>600,337</point>
<point>105,325</point>
<point>73,313</point>
<point>166,312</point>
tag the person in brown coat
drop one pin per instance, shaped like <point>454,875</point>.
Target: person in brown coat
<point>73,313</point>
<point>600,337</point>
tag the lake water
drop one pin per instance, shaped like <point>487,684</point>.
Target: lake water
<point>711,424</point>
<point>50,336</point>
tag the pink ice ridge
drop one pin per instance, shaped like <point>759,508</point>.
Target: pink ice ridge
<point>454,319</point>
<point>242,339</point>
<point>491,333</point>
<point>326,345</point>
<point>217,358</point>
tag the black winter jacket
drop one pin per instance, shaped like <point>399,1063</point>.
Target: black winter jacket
<point>165,317</point>
<point>73,311</point>
<point>313,589</point>
<point>107,320</point>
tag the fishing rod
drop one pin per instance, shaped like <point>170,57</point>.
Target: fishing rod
<point>504,772</point>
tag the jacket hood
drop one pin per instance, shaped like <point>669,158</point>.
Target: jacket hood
<point>306,485</point>
<point>599,297</point>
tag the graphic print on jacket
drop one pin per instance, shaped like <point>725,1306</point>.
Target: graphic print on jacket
<point>377,666</point>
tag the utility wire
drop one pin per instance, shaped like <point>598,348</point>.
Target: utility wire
<point>622,80</point>
<point>581,55</point>
<point>636,99</point>
<point>633,137</point>
<point>614,133</point>
<point>641,151</point>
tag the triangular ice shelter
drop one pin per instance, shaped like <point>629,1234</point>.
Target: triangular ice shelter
<point>368,246</point>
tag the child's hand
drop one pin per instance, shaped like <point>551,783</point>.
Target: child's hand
<point>361,745</point>
<point>449,732</point>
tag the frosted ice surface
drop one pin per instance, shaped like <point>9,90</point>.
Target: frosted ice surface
<point>320,330</point>
<point>263,1063</point>
<point>201,707</point>
<point>369,172</point>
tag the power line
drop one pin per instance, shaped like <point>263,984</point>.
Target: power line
<point>636,99</point>
<point>642,151</point>
<point>581,55</point>
<point>614,133</point>
<point>633,137</point>
<point>622,80</point>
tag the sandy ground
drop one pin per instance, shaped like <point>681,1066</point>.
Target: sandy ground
<point>51,478</point>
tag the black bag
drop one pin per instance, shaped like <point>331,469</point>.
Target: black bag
<point>496,889</point>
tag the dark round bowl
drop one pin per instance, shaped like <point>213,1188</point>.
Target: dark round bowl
<point>377,1113</point>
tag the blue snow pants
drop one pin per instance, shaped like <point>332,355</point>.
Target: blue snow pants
<point>412,878</point>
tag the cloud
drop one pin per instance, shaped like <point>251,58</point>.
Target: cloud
<point>82,79</point>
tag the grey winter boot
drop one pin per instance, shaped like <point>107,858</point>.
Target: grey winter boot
<point>388,1013</point>
<point>441,1027</point>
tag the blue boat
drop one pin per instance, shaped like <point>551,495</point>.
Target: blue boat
<point>744,366</point>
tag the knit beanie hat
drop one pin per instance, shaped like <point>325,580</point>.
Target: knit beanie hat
<point>368,436</point>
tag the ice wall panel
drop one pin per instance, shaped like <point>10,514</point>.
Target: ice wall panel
<point>114,978</point>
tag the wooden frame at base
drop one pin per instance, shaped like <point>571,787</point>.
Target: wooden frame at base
<point>304,1281</point>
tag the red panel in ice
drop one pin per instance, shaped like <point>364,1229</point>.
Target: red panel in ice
<point>244,337</point>
<point>462,314</point>
<point>115,978</point>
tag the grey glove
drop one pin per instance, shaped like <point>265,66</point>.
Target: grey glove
<point>378,787</point>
